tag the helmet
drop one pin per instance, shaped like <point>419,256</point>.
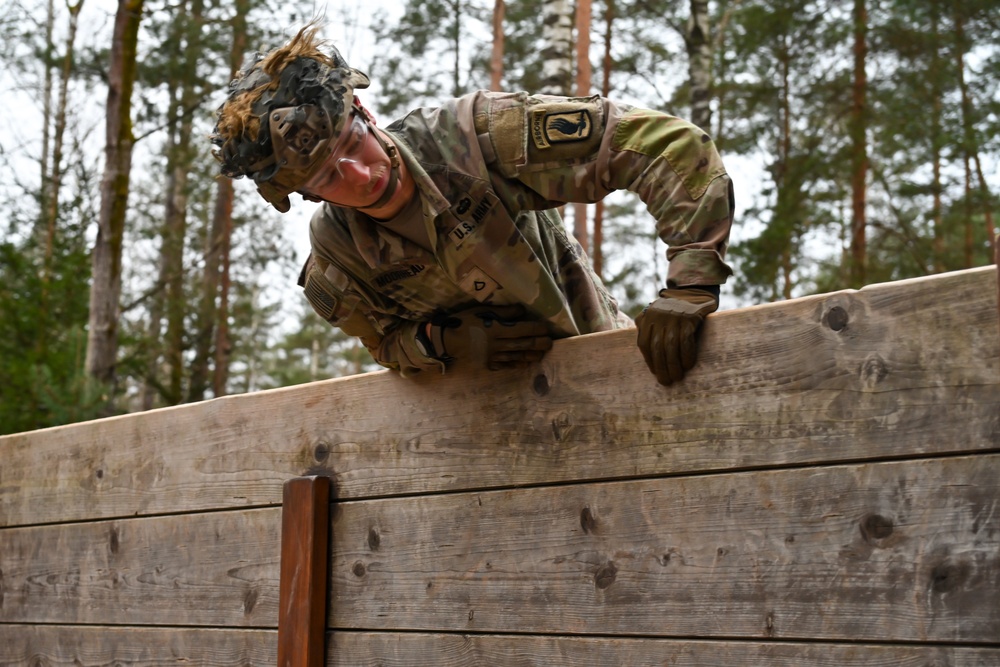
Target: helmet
<point>283,114</point>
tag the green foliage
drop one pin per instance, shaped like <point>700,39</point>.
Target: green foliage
<point>429,52</point>
<point>796,55</point>
<point>313,351</point>
<point>43,315</point>
<point>782,100</point>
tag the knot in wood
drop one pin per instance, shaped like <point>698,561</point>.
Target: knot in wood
<point>836,318</point>
<point>359,569</point>
<point>587,521</point>
<point>113,541</point>
<point>322,452</point>
<point>605,575</point>
<point>562,424</point>
<point>541,385</point>
<point>250,600</point>
<point>948,576</point>
<point>875,527</point>
<point>873,371</point>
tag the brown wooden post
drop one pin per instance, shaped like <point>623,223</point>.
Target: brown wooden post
<point>305,529</point>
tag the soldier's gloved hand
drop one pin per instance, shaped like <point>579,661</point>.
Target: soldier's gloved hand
<point>492,336</point>
<point>668,331</point>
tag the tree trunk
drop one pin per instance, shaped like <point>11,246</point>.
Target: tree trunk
<point>102,336</point>
<point>597,252</point>
<point>718,133</point>
<point>171,249</point>
<point>207,311</point>
<point>47,57</point>
<point>859,148</point>
<point>175,222</point>
<point>52,182</point>
<point>456,74</point>
<point>557,52</point>
<point>937,139</point>
<point>699,50</point>
<point>583,79</point>
<point>496,56</point>
<point>217,243</point>
<point>969,141</point>
<point>55,177</point>
<point>223,346</point>
<point>783,167</point>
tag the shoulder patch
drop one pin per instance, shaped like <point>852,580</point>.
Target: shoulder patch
<point>550,127</point>
<point>563,130</point>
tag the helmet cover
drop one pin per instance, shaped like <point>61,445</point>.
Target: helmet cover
<point>300,117</point>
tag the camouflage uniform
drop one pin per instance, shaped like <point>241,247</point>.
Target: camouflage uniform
<point>489,167</point>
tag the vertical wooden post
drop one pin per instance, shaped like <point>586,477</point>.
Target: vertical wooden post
<point>305,529</point>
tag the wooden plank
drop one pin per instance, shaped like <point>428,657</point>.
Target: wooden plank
<point>900,551</point>
<point>882,552</point>
<point>374,649</point>
<point>167,647</point>
<point>44,645</point>
<point>899,369</point>
<point>216,569</point>
<point>305,530</point>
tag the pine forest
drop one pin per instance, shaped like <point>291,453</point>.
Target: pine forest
<point>863,138</point>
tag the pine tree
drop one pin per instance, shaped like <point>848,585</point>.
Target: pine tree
<point>102,341</point>
<point>429,52</point>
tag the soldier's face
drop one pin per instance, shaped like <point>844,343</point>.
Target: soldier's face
<point>357,171</point>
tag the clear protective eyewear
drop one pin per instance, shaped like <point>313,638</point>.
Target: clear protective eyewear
<point>348,150</point>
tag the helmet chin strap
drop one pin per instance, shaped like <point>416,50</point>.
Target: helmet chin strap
<point>390,188</point>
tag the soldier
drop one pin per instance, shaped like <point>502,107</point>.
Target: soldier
<point>437,241</point>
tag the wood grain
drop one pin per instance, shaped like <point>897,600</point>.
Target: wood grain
<point>895,551</point>
<point>168,647</point>
<point>901,551</point>
<point>54,645</point>
<point>373,649</point>
<point>215,569</point>
<point>305,530</point>
<point>901,369</point>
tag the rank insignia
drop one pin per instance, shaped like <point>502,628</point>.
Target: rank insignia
<point>480,285</point>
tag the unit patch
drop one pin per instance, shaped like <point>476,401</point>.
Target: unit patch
<point>548,127</point>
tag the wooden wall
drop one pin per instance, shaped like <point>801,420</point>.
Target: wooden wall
<point>823,489</point>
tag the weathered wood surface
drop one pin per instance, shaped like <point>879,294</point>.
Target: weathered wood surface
<point>894,551</point>
<point>168,647</point>
<point>900,551</point>
<point>305,532</point>
<point>214,569</point>
<point>53,645</point>
<point>899,369</point>
<point>408,650</point>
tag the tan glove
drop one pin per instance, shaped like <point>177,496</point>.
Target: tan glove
<point>494,337</point>
<point>668,331</point>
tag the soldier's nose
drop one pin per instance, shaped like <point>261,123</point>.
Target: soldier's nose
<point>353,171</point>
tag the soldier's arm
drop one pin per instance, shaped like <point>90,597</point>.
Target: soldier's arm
<point>390,340</point>
<point>579,150</point>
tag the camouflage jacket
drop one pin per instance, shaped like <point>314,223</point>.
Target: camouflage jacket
<point>489,168</point>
